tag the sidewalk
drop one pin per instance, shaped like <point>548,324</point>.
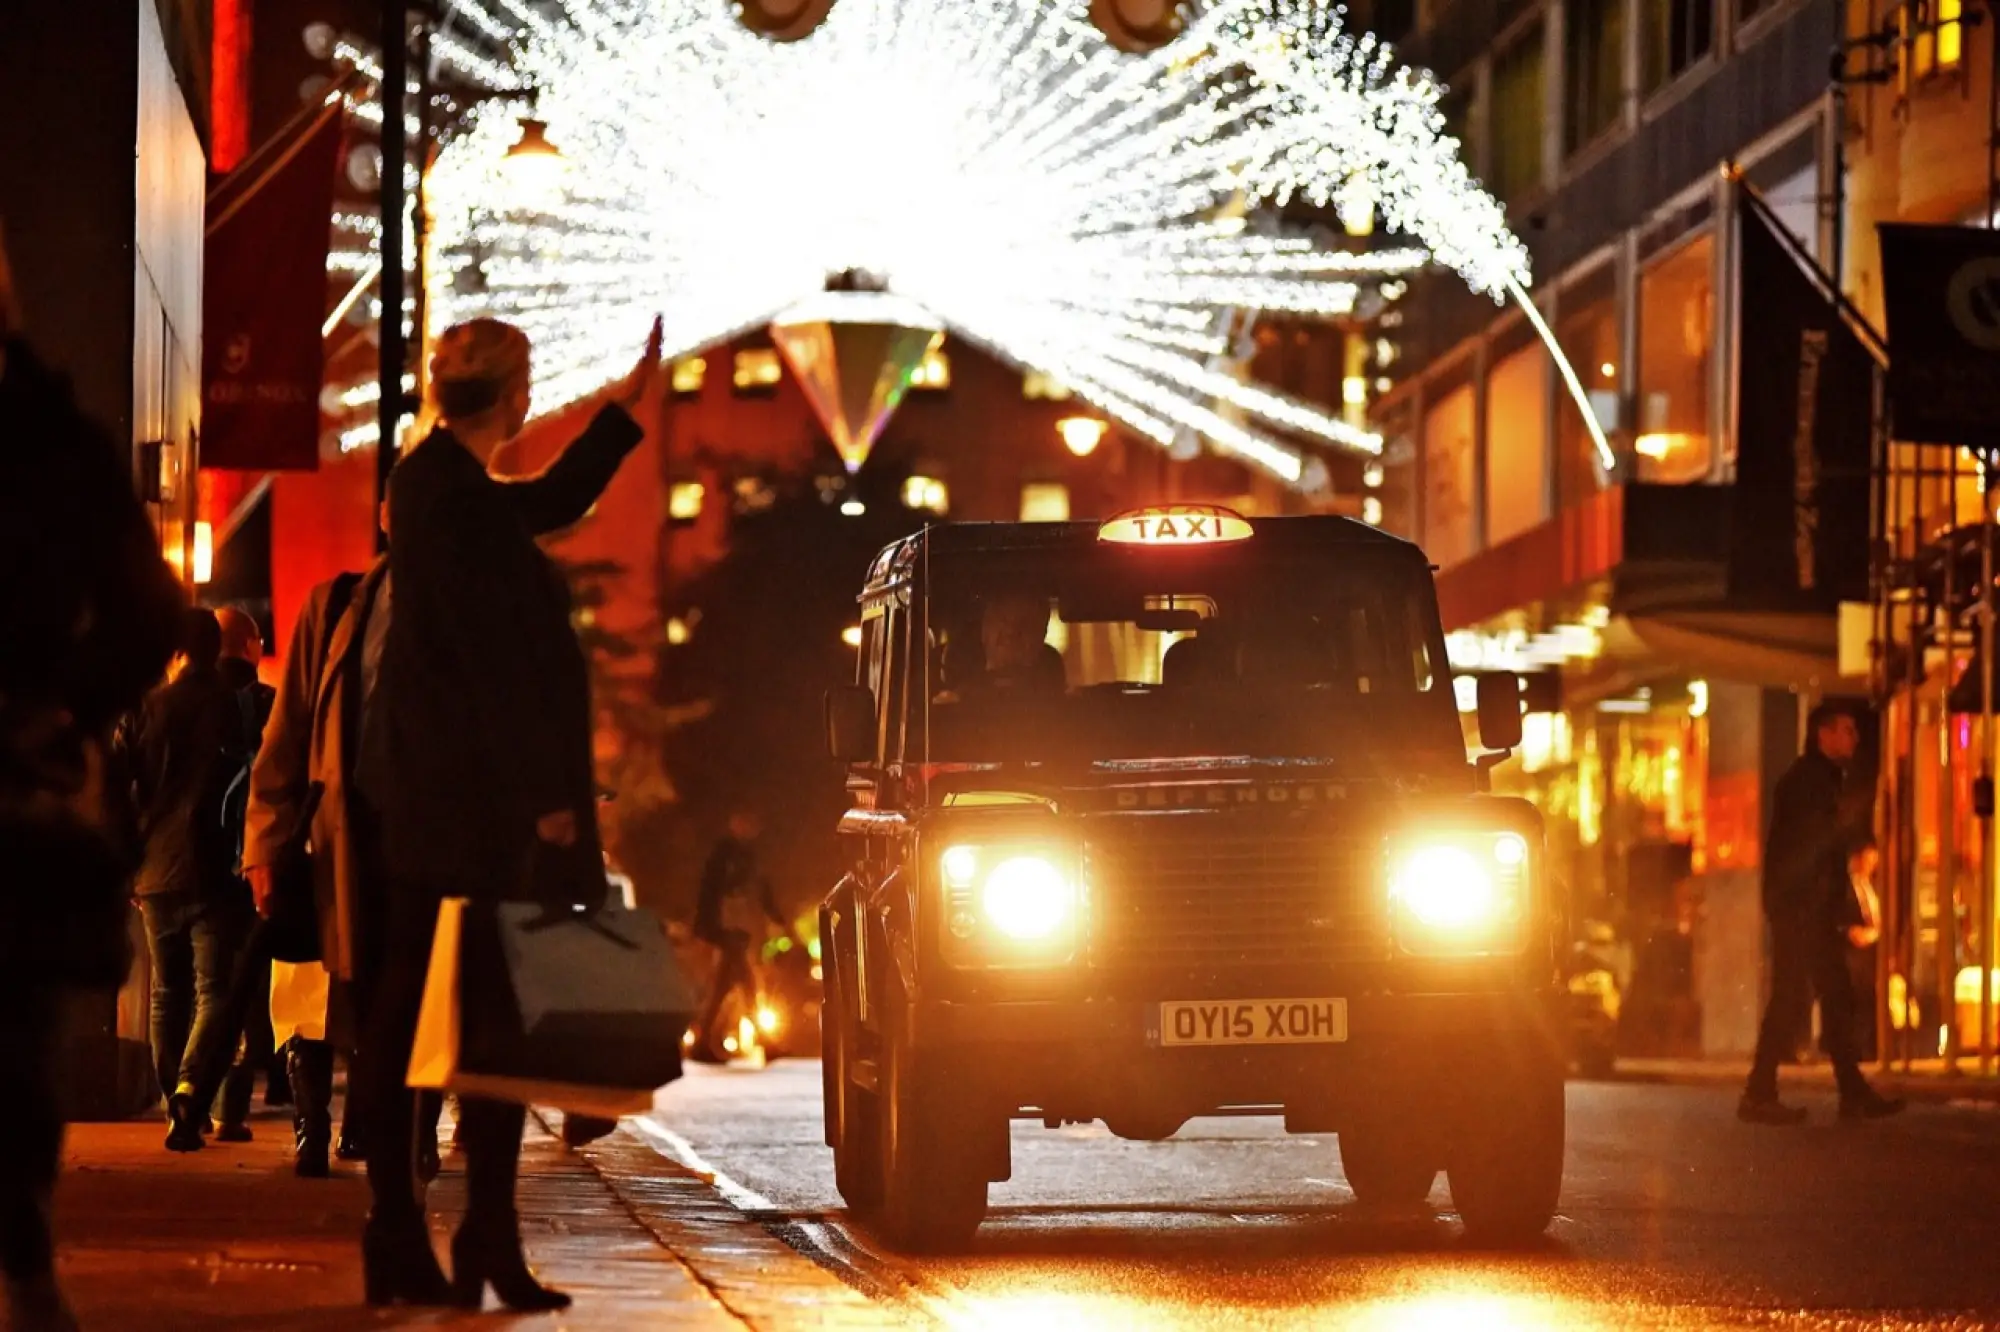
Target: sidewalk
<point>1925,1082</point>
<point>228,1238</point>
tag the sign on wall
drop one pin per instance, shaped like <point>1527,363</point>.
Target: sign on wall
<point>1941,298</point>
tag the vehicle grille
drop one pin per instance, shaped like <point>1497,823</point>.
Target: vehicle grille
<point>1223,891</point>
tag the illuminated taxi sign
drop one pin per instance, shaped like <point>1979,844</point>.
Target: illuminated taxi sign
<point>1176,525</point>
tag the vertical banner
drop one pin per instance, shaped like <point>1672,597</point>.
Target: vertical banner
<point>264,298</point>
<point>1798,537</point>
<point>1941,300</point>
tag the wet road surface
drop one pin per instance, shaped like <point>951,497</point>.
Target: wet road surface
<point>1674,1216</point>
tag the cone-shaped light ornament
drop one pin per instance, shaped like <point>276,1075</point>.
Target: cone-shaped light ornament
<point>855,353</point>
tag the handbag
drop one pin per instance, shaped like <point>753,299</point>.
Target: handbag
<point>581,1010</point>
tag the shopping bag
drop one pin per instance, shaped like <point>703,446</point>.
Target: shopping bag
<point>300,993</point>
<point>579,1010</point>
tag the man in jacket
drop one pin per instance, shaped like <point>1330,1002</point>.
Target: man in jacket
<point>88,618</point>
<point>734,900</point>
<point>476,751</point>
<point>183,748</point>
<point>242,649</point>
<point>1809,902</point>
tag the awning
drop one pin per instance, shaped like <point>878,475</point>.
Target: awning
<point>1775,649</point>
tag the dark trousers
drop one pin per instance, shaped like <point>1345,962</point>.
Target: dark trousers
<point>250,997</point>
<point>732,973</point>
<point>1807,958</point>
<point>391,995</point>
<point>31,1130</point>
<point>195,942</point>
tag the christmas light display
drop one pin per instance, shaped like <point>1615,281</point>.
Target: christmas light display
<point>1100,217</point>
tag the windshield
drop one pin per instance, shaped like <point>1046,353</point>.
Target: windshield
<point>1123,655</point>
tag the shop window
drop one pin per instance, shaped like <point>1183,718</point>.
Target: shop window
<point>1678,34</point>
<point>1593,69</point>
<point>926,493</point>
<point>1588,334</point>
<point>1517,443</point>
<point>1676,357</point>
<point>684,500</point>
<point>758,370</point>
<point>1514,159</point>
<point>1449,498</point>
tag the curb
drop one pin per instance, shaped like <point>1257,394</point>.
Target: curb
<point>1926,1088</point>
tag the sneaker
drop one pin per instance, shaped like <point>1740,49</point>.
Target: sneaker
<point>184,1131</point>
<point>233,1133</point>
<point>1759,1110</point>
<point>1872,1106</point>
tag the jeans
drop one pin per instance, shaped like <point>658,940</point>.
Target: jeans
<point>31,1131</point>
<point>1808,958</point>
<point>194,941</point>
<point>250,1001</point>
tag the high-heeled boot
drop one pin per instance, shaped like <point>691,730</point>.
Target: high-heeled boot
<point>309,1065</point>
<point>397,1264</point>
<point>488,1252</point>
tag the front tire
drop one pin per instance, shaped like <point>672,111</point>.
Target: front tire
<point>857,1148</point>
<point>933,1190</point>
<point>1506,1166</point>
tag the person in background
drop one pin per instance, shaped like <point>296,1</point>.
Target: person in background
<point>476,751</point>
<point>184,746</point>
<point>1809,902</point>
<point>731,909</point>
<point>242,650</point>
<point>89,614</point>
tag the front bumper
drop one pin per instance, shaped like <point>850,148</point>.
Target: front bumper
<point>1095,1059</point>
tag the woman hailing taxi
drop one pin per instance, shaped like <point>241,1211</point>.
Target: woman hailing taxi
<point>476,757</point>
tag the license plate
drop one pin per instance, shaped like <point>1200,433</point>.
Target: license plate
<point>1253,1021</point>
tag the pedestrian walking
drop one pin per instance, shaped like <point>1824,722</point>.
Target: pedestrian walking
<point>88,617</point>
<point>476,751</point>
<point>733,909</point>
<point>1809,903</point>
<point>242,650</point>
<point>299,797</point>
<point>184,746</point>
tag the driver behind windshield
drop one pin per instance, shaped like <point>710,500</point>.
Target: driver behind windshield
<point>1015,655</point>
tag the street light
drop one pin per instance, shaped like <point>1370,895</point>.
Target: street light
<point>1081,434</point>
<point>533,162</point>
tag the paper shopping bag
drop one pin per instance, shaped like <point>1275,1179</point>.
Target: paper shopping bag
<point>434,1056</point>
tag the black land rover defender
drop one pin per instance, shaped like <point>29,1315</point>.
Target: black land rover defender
<point>1172,816</point>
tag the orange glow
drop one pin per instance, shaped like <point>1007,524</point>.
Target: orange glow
<point>1176,525</point>
<point>1081,434</point>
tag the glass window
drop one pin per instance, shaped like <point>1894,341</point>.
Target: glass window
<point>756,369</point>
<point>933,373</point>
<point>1515,161</point>
<point>1448,478</point>
<point>1587,331</point>
<point>1038,387</point>
<point>1045,502</point>
<point>1593,69</point>
<point>1677,35</point>
<point>689,373</point>
<point>1676,351</point>
<point>1517,443</point>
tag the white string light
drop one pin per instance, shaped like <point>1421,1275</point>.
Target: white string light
<point>1077,210</point>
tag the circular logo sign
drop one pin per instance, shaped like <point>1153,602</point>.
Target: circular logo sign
<point>1972,300</point>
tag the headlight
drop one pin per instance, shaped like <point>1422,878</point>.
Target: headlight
<point>1463,894</point>
<point>1008,904</point>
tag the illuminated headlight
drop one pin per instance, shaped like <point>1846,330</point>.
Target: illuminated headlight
<point>1464,894</point>
<point>1000,902</point>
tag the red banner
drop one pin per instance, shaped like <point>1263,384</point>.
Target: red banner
<point>263,301</point>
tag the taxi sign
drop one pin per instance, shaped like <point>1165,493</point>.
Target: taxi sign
<point>1176,525</point>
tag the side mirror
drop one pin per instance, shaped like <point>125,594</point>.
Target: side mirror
<point>850,723</point>
<point>1499,709</point>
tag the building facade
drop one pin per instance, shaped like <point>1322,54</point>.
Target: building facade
<point>1662,713</point>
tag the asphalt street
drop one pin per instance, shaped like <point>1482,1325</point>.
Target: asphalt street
<point>1674,1216</point>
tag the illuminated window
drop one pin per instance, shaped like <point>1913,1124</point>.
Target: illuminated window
<point>689,373</point>
<point>1934,31</point>
<point>1037,386</point>
<point>684,500</point>
<point>1045,502</point>
<point>926,493</point>
<point>1588,334</point>
<point>757,369</point>
<point>1448,478</point>
<point>1676,351</point>
<point>1517,440</point>
<point>1515,162</point>
<point>934,373</point>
